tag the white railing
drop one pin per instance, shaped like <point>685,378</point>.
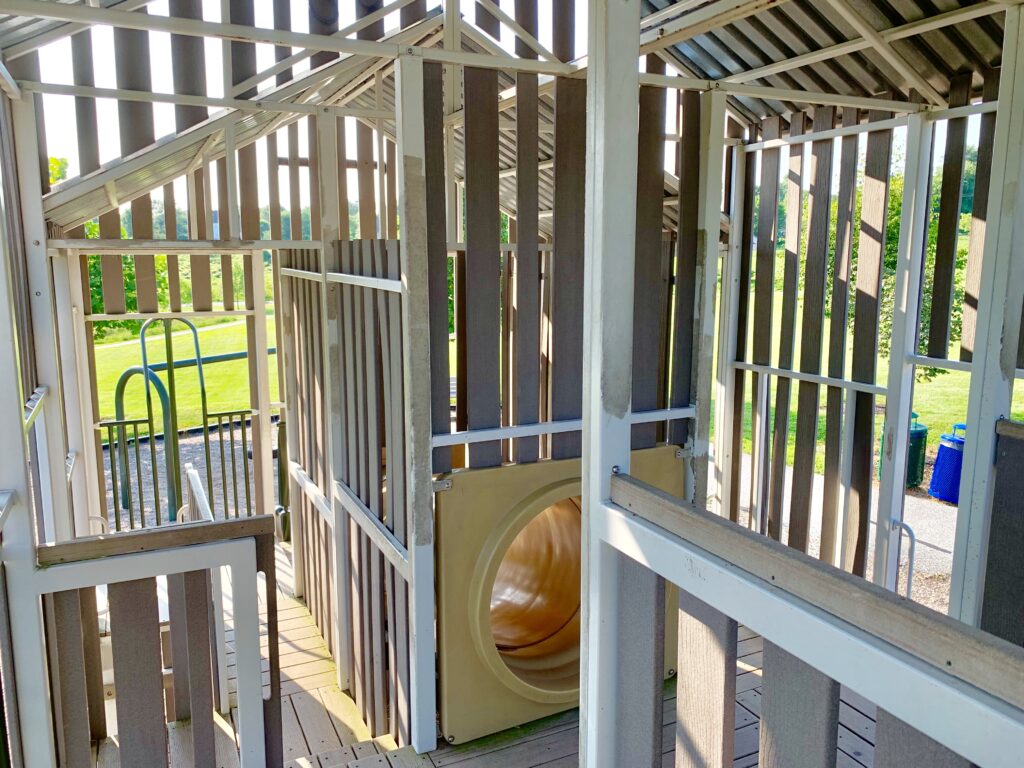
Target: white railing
<point>947,681</point>
<point>197,509</point>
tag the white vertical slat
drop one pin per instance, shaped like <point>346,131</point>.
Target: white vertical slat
<point>898,403</point>
<point>999,313</point>
<point>416,384</point>
<point>618,725</point>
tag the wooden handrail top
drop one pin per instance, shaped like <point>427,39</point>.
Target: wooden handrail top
<point>153,539</point>
<point>980,659</point>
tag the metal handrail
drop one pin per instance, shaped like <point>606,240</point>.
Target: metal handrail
<point>902,527</point>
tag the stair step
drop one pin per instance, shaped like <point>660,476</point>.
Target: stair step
<point>401,758</point>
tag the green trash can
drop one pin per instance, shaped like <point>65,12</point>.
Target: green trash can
<point>915,454</point>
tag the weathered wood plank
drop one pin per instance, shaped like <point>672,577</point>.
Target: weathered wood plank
<point>567,262</point>
<point>979,220</point>
<point>949,220</point>
<point>482,261</point>
<point>799,713</point>
<point>808,396</point>
<point>650,291</point>
<point>197,657</point>
<point>437,258</point>
<point>706,686</point>
<point>870,253</point>
<point>71,680</point>
<point>93,662</point>
<point>897,745</point>
<point>135,643</point>
<point>838,336</point>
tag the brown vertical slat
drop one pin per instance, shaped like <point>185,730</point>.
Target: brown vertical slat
<point>487,21</point>
<point>808,398</point>
<point>897,745</point>
<point>787,340</point>
<point>392,190</point>
<point>135,119</point>
<point>685,269</point>
<point>764,296</point>
<point>739,377</point>
<point>437,259</point>
<point>706,687</point>
<point>649,289</point>
<point>838,335</point>
<point>870,255</point>
<point>93,662</point>
<point>483,264</point>
<point>197,657</point>
<point>135,640</point>
<point>71,680</point>
<point>1002,607</point>
<point>526,343</point>
<point>567,262</point>
<point>563,29</point>
<point>179,647</point>
<point>979,221</point>
<point>799,713</point>
<point>266,563</point>
<point>949,220</point>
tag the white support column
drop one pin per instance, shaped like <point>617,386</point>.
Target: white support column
<point>412,192</point>
<point>709,228</point>
<point>999,313</point>
<point>900,387</point>
<point>330,294</point>
<point>452,104</point>
<point>620,722</point>
<point>262,383</point>
<point>18,554</point>
<point>44,332</point>
<point>725,377</point>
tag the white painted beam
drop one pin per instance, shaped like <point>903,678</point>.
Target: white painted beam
<point>8,84</point>
<point>999,313</point>
<point>245,34</point>
<point>700,21</point>
<point>886,51</point>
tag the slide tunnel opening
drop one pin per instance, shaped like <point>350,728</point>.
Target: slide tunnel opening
<point>535,601</point>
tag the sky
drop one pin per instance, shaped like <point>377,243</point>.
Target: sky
<point>55,63</point>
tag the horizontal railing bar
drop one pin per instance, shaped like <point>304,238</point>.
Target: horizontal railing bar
<point>34,406</point>
<point>302,274</point>
<point>831,133</point>
<point>312,492</point>
<point>120,423</point>
<point>813,378</point>
<point>224,414</point>
<point>961,651</point>
<point>950,364</point>
<point>99,318</point>
<point>116,247</point>
<point>454,248</point>
<point>376,283</point>
<point>663,414</point>
<point>152,539</point>
<point>371,525</point>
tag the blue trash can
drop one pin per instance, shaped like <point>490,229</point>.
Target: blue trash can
<point>945,484</point>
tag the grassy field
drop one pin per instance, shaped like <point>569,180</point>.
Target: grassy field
<point>940,402</point>
<point>227,383</point>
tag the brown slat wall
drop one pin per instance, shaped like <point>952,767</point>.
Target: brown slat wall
<point>482,261</point>
<point>846,204</point>
<point>870,253</point>
<point>787,340</point>
<point>650,291</point>
<point>811,337</point>
<point>949,220</point>
<point>71,681</point>
<point>979,223</point>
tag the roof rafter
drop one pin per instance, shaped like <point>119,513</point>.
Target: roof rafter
<point>698,22</point>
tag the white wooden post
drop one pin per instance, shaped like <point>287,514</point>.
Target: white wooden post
<point>900,392</point>
<point>412,192</point>
<point>620,722</point>
<point>725,373</point>
<point>19,545</point>
<point>999,313</point>
<point>262,383</point>
<point>330,233</point>
<point>709,228</point>
<point>44,333</point>
<point>246,609</point>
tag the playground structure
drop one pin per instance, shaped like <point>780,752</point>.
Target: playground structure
<point>556,519</point>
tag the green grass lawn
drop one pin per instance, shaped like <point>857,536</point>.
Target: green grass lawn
<point>227,383</point>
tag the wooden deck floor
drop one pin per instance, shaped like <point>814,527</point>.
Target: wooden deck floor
<point>554,741</point>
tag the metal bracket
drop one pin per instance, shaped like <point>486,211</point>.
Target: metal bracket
<point>443,485</point>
